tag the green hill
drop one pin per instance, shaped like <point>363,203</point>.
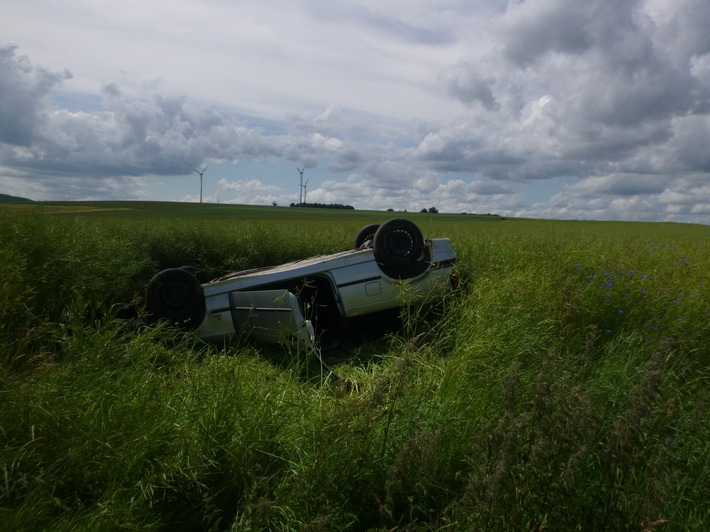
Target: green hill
<point>6,198</point>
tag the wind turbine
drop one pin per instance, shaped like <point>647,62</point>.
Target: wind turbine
<point>300,185</point>
<point>201,174</point>
<point>305,185</point>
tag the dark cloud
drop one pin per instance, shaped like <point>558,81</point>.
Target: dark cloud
<point>613,94</point>
<point>466,85</point>
<point>623,185</point>
<point>689,151</point>
<point>683,28</point>
<point>79,154</point>
<point>603,61</point>
<point>23,96</point>
<point>127,137</point>
<point>347,161</point>
<point>534,29</point>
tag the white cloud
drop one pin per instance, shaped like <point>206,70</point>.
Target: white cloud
<point>467,106</point>
<point>247,192</point>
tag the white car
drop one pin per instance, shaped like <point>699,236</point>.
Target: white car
<point>317,301</point>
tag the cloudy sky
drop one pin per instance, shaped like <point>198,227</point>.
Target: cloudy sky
<point>544,108</point>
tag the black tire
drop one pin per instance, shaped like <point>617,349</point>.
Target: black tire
<point>365,234</point>
<point>176,295</point>
<point>398,243</point>
<point>194,270</point>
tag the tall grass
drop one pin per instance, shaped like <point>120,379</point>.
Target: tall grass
<point>564,386</point>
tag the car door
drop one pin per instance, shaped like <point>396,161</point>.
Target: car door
<point>272,316</point>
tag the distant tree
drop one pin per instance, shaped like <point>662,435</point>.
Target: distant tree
<point>323,206</point>
<point>433,210</point>
<point>275,203</point>
<point>390,210</point>
<point>423,211</point>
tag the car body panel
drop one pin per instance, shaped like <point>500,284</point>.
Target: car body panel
<point>272,316</point>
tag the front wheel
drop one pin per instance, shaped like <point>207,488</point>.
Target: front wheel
<point>398,243</point>
<point>176,295</point>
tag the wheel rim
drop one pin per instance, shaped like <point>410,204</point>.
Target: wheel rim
<point>400,243</point>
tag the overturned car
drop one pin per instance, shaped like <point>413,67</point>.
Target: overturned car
<point>321,300</point>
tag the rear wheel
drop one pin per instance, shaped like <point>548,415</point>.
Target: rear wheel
<point>194,270</point>
<point>398,243</point>
<point>365,234</point>
<point>176,295</point>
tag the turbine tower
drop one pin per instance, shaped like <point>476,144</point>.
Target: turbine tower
<point>300,184</point>
<point>201,174</point>
<point>305,186</point>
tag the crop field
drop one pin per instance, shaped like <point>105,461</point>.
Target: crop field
<point>564,386</point>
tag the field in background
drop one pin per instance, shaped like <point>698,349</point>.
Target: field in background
<point>565,386</point>
<point>157,209</point>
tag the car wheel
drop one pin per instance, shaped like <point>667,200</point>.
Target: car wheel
<point>176,295</point>
<point>365,234</point>
<point>194,270</point>
<point>398,243</point>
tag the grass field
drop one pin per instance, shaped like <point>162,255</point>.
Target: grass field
<point>564,387</point>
